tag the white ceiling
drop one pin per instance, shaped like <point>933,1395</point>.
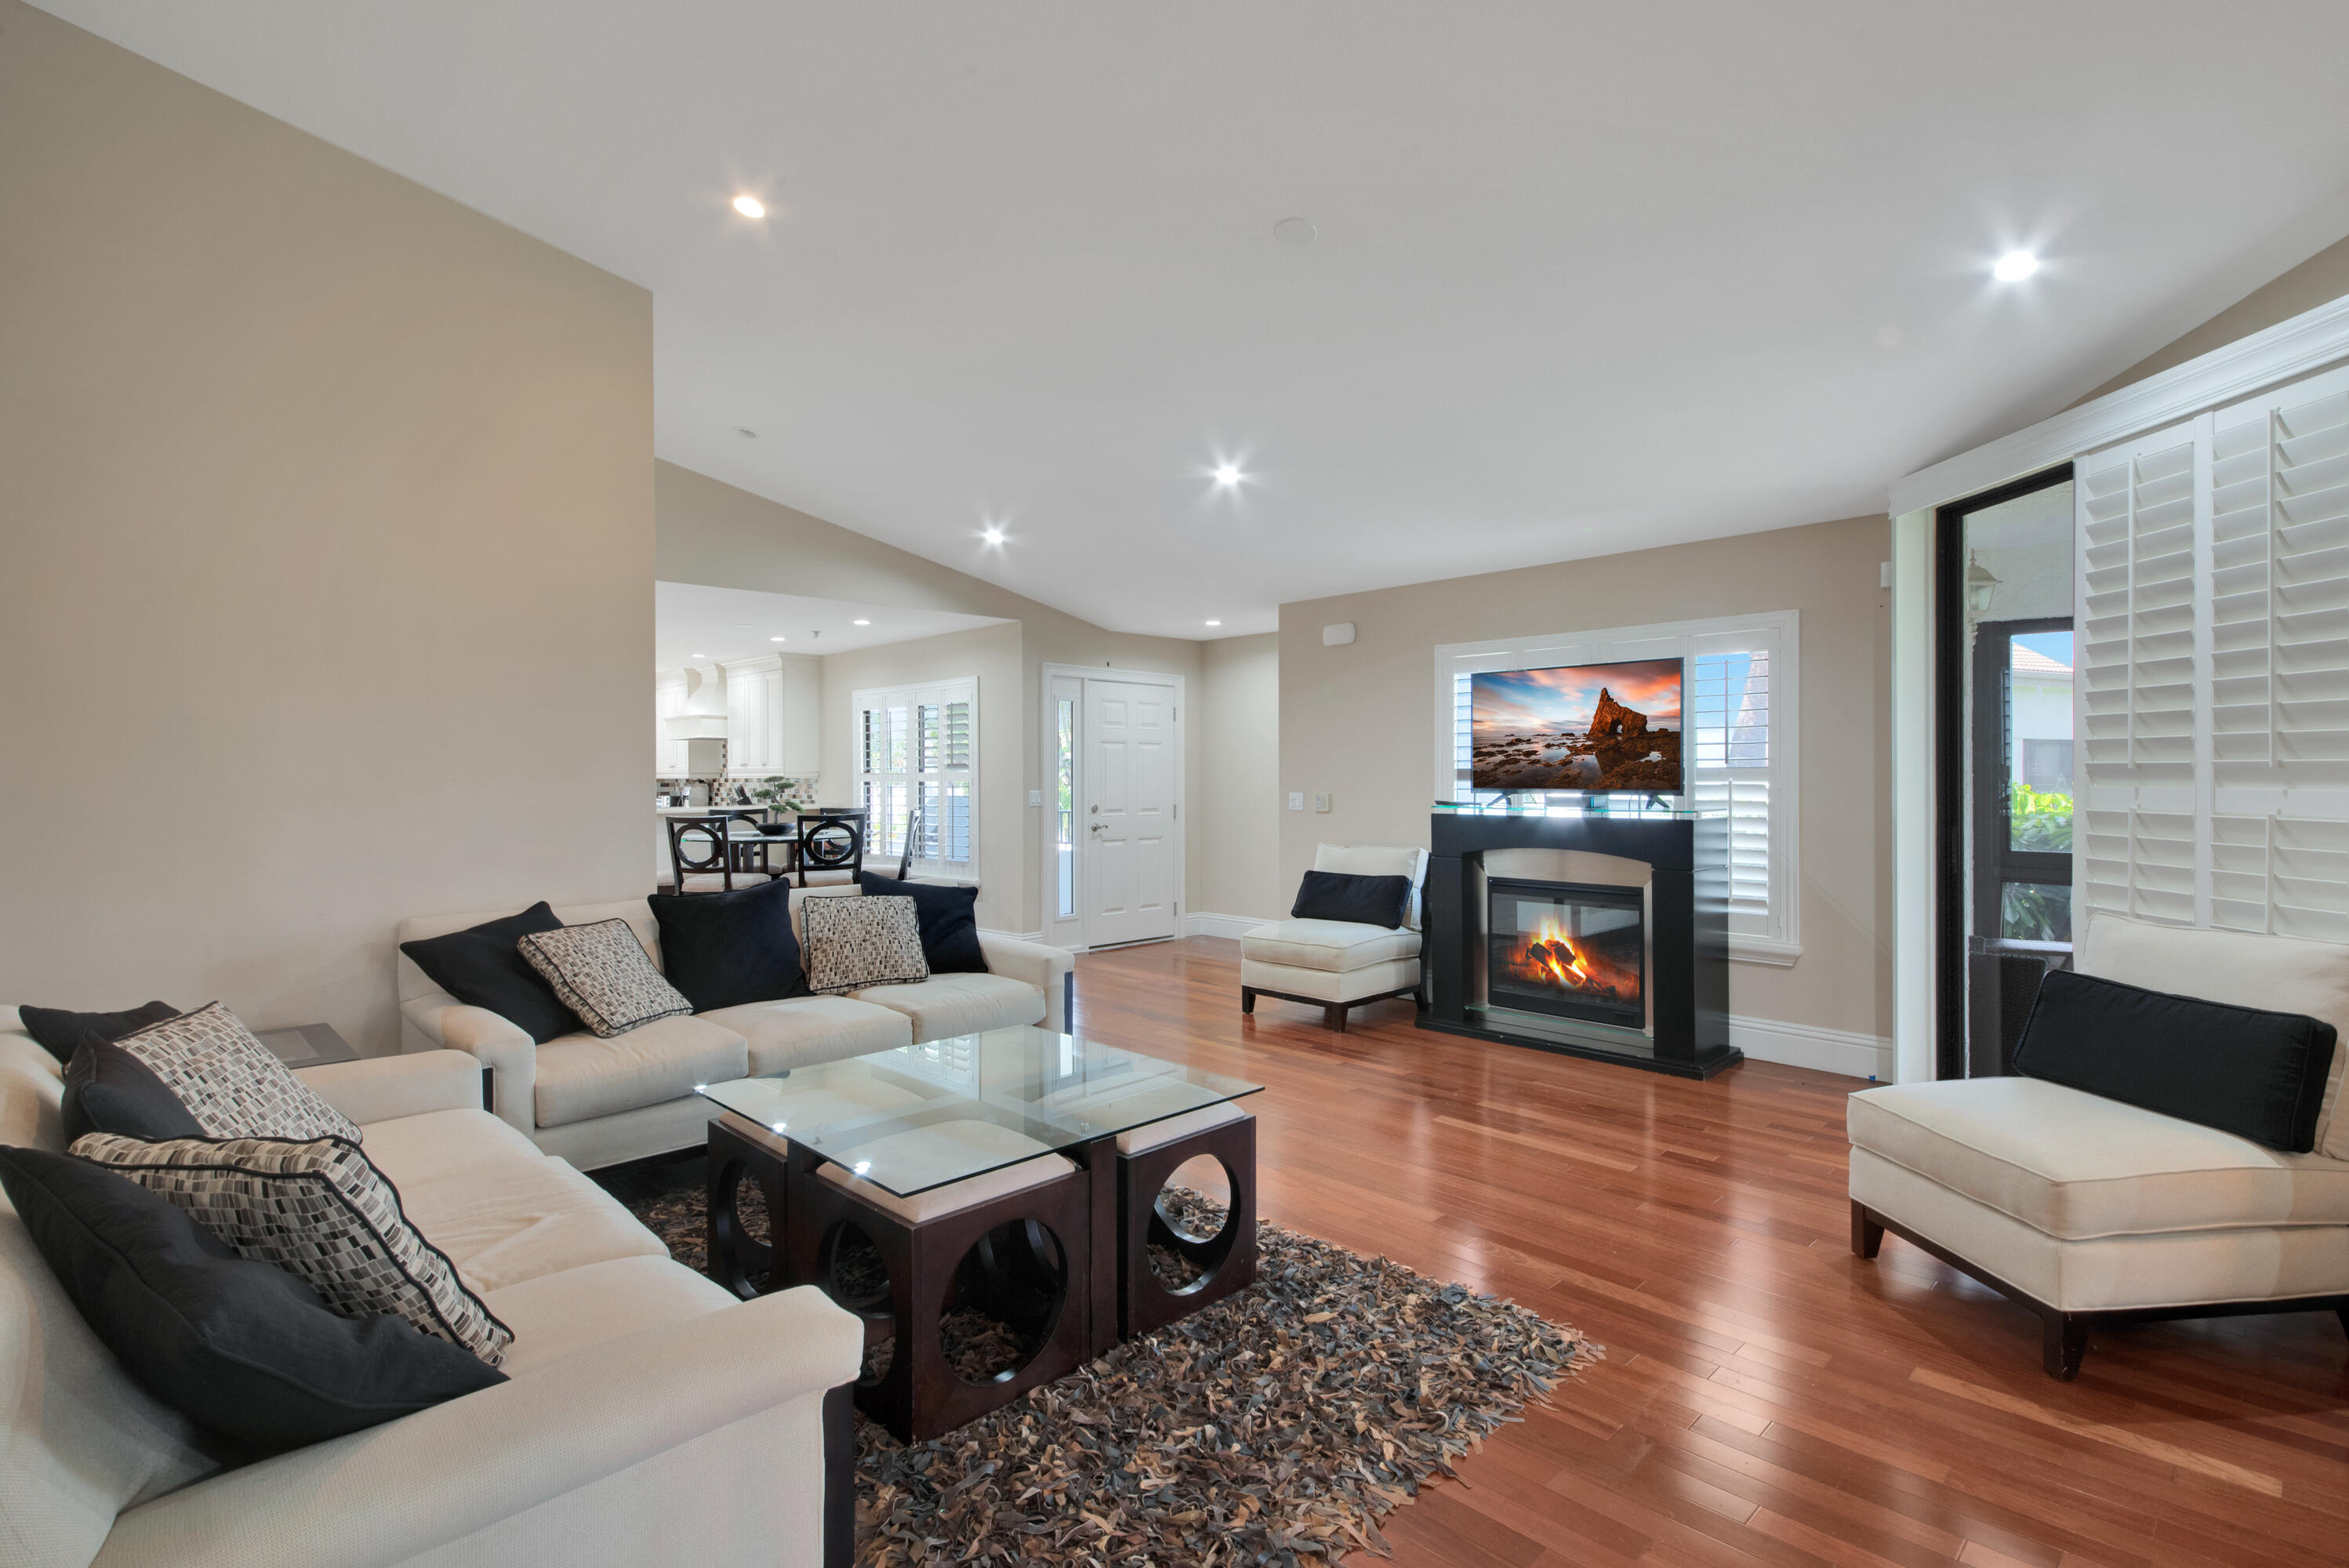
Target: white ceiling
<point>695,624</point>
<point>1589,277</point>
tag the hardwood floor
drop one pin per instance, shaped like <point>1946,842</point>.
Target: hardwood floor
<point>1766,1397</point>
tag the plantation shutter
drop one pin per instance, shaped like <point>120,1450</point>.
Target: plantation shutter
<point>2214,596</point>
<point>917,747</point>
<point>1729,743</point>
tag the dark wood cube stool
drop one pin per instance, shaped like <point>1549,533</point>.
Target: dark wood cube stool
<point>942,1253</point>
<point>1147,1157</point>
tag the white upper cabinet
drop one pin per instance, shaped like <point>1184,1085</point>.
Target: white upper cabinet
<point>668,701</point>
<point>771,715</point>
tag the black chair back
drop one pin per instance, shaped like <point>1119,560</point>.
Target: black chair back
<point>913,836</point>
<point>831,839</point>
<point>698,846</point>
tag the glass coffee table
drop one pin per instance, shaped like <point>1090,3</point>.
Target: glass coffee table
<point>939,1129</point>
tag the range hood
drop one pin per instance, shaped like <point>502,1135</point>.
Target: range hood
<point>704,715</point>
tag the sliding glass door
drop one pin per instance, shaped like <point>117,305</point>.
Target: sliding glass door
<point>2005,747</point>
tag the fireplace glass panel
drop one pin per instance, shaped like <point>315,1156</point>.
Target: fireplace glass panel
<point>1568,950</point>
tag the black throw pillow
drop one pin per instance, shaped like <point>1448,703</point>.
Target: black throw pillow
<point>2244,1070</point>
<point>482,967</point>
<point>107,1089</point>
<point>1341,895</point>
<point>723,949</point>
<point>944,913</point>
<point>60,1032</point>
<point>238,1345</point>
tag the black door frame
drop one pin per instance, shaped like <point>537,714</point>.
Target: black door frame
<point>1994,808</point>
<point>1950,802</point>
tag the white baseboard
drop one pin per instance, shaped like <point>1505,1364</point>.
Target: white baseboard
<point>1201,922</point>
<point>1808,1045</point>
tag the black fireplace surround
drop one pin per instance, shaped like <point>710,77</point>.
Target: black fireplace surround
<point>1643,976</point>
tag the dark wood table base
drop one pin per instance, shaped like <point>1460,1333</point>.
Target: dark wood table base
<point>1061,1272</point>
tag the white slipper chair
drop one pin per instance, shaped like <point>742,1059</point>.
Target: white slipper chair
<point>1337,964</point>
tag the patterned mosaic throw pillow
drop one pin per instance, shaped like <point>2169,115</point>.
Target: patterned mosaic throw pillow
<point>231,1083</point>
<point>858,942</point>
<point>319,1210</point>
<point>603,973</point>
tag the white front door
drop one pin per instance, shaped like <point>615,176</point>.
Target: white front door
<point>1127,825</point>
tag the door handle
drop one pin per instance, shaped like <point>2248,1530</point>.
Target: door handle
<point>1099,826</point>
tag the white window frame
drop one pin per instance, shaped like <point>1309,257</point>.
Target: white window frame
<point>1774,938</point>
<point>883,842</point>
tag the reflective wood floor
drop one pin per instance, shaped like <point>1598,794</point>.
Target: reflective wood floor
<point>1766,1397</point>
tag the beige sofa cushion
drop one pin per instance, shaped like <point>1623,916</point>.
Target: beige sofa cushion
<point>1377,860</point>
<point>521,1220</point>
<point>2076,1165</point>
<point>580,1077</point>
<point>805,1030</point>
<point>945,1005</point>
<point>2282,973</point>
<point>414,1149</point>
<point>1336,946</point>
<point>559,1315</point>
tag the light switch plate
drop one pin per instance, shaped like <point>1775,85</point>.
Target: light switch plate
<point>1321,802</point>
<point>1035,797</point>
<point>1297,800</point>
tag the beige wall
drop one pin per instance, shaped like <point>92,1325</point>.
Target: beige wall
<point>325,554</point>
<point>2320,280</point>
<point>713,533</point>
<point>1239,811</point>
<point>991,653</point>
<point>1358,722</point>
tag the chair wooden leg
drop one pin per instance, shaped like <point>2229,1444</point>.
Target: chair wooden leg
<point>1867,1235</point>
<point>2063,1340</point>
<point>1333,1017</point>
<point>1248,998</point>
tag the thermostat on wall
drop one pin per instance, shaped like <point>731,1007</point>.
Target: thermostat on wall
<point>1338,635</point>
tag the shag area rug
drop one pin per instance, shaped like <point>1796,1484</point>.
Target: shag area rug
<point>1273,1427</point>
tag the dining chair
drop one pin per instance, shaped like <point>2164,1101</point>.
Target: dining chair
<point>832,843</point>
<point>706,854</point>
<point>913,834</point>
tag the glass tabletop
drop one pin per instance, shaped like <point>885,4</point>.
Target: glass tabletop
<point>921,1116</point>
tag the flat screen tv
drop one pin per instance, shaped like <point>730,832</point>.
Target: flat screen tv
<point>1580,726</point>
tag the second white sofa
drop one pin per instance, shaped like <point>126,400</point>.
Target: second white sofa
<point>650,1417</point>
<point>598,1102</point>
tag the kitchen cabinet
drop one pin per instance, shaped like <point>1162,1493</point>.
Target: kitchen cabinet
<point>668,701</point>
<point>771,715</point>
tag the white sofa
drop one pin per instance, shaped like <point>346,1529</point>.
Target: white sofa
<point>600,1102</point>
<point>651,1417</point>
<point>2091,1212</point>
<point>1339,964</point>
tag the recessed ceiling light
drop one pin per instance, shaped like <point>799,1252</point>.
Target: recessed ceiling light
<point>863,623</point>
<point>992,535</point>
<point>1215,623</point>
<point>1295,232</point>
<point>750,206</point>
<point>697,655</point>
<point>779,639</point>
<point>2014,266</point>
<point>1227,474</point>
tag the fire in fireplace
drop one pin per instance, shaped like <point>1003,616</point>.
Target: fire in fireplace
<point>1570,949</point>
